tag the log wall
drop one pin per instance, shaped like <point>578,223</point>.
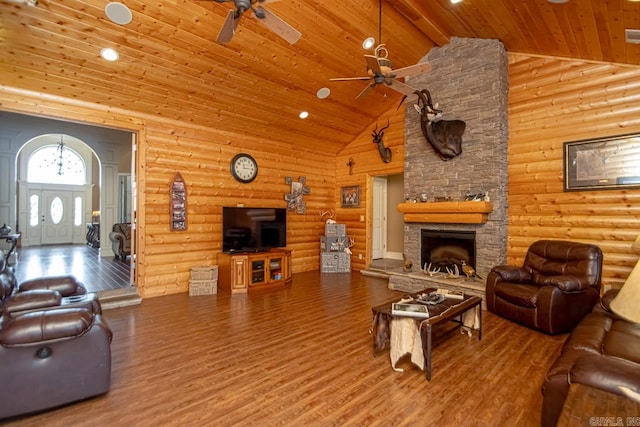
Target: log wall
<point>367,164</point>
<point>552,101</point>
<point>202,155</point>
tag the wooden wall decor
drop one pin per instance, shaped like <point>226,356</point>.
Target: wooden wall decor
<point>178,204</point>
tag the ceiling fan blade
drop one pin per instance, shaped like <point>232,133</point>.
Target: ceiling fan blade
<point>228,28</point>
<point>344,79</point>
<point>412,70</point>
<point>403,88</point>
<point>365,90</point>
<point>372,64</point>
<point>281,28</point>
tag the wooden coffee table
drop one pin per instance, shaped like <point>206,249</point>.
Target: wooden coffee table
<point>450,310</point>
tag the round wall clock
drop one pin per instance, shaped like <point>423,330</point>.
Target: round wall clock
<point>244,168</point>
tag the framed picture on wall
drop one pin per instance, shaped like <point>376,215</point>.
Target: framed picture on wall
<point>602,163</point>
<point>350,196</point>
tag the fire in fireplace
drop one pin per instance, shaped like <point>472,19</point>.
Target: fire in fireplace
<point>443,249</point>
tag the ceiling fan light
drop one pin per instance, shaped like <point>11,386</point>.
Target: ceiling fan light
<point>368,43</point>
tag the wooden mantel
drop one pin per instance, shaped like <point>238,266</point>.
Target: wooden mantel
<point>447,212</point>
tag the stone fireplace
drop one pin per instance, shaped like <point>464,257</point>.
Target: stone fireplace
<point>469,81</point>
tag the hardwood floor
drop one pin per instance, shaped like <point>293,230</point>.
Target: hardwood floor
<point>303,356</point>
<point>97,273</point>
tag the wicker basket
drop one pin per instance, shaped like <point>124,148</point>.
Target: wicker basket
<point>203,287</point>
<point>204,273</point>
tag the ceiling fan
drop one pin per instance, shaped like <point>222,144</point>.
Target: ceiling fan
<point>274,23</point>
<point>380,69</point>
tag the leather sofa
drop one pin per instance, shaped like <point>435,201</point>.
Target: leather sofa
<point>603,352</point>
<point>54,349</point>
<point>120,237</point>
<point>51,358</point>
<point>557,285</point>
<point>42,293</point>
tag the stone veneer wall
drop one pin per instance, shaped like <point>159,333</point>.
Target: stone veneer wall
<point>469,80</point>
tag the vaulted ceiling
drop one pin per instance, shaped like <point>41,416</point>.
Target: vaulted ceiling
<point>171,66</point>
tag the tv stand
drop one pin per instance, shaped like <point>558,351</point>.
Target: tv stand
<point>239,273</point>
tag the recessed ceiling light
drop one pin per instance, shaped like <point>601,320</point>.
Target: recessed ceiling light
<point>303,114</point>
<point>109,54</point>
<point>323,92</point>
<point>456,1</point>
<point>118,13</point>
<point>557,1</point>
<point>368,43</point>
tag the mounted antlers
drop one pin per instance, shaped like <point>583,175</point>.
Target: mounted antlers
<point>445,136</point>
<point>385,153</point>
<point>330,214</point>
<point>429,270</point>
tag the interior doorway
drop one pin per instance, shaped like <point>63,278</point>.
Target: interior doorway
<point>55,205</point>
<point>387,234</point>
<point>379,220</point>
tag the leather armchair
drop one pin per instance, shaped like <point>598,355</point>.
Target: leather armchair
<point>50,358</point>
<point>558,284</point>
<point>121,240</point>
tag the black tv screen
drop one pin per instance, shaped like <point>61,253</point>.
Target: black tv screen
<point>253,229</point>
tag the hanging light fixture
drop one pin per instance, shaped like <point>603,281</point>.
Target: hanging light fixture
<point>60,163</point>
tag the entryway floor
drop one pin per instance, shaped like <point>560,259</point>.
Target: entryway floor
<point>380,267</point>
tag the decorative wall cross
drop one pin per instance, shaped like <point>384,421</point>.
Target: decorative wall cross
<point>350,163</point>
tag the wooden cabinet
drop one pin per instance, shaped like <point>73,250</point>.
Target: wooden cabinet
<point>239,273</point>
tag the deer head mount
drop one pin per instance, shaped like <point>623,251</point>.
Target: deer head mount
<point>445,136</point>
<point>385,153</point>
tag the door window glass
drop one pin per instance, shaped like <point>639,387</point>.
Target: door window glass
<point>77,211</point>
<point>34,201</point>
<point>50,164</point>
<point>57,210</point>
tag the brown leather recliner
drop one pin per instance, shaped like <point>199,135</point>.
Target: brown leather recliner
<point>52,357</point>
<point>42,293</point>
<point>558,284</point>
<point>53,349</point>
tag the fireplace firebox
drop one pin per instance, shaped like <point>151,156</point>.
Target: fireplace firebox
<point>443,249</point>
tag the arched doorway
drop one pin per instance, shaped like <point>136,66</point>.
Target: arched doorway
<point>55,190</point>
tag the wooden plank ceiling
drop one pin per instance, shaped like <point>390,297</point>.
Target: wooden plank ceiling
<point>171,66</point>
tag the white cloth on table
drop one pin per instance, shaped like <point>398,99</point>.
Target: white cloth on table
<point>405,338</point>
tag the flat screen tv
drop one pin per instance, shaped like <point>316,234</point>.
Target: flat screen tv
<point>253,229</point>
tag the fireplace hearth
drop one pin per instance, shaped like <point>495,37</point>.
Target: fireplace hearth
<point>444,249</point>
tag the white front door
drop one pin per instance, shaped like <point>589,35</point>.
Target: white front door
<point>57,215</point>
<point>51,217</point>
<point>379,232</point>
